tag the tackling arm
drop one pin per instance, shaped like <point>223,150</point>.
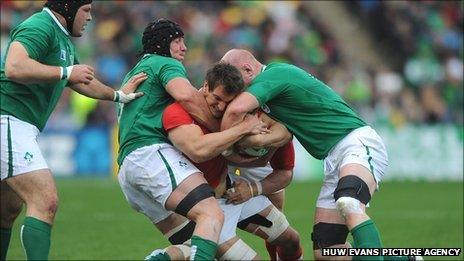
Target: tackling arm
<point>201,147</point>
<point>189,97</point>
<point>277,137</point>
<point>238,108</point>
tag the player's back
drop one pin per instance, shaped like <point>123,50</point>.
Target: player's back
<point>311,110</point>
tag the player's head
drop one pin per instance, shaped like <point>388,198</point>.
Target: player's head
<point>245,62</point>
<point>164,37</point>
<point>75,12</point>
<point>223,82</point>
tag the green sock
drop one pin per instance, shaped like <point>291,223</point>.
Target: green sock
<point>366,235</point>
<point>158,255</point>
<point>35,237</point>
<point>202,249</point>
<point>5,234</point>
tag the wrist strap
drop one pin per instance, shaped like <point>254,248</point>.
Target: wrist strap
<point>116,96</point>
<point>259,187</point>
<point>63,73</point>
<point>251,189</point>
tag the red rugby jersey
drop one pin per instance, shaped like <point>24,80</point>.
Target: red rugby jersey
<point>174,116</point>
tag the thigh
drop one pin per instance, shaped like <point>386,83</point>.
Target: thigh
<point>19,150</point>
<point>35,188</point>
<point>278,199</point>
<point>255,205</point>
<point>159,172</point>
<point>231,217</point>
<point>141,201</point>
<point>328,216</point>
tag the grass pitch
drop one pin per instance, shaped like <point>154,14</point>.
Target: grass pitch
<point>94,222</point>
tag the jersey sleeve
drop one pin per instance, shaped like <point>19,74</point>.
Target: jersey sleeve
<point>268,85</point>
<point>174,116</point>
<point>284,157</point>
<point>171,70</point>
<point>35,38</point>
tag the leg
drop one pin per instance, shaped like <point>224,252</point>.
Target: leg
<point>271,225</point>
<point>37,189</point>
<point>354,190</point>
<point>277,200</point>
<point>236,249</point>
<point>192,199</point>
<point>11,206</point>
<point>329,231</point>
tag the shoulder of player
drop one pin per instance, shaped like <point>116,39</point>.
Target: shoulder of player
<point>163,60</point>
<point>38,21</point>
<point>175,108</point>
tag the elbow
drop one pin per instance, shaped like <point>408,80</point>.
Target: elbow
<point>288,138</point>
<point>12,72</point>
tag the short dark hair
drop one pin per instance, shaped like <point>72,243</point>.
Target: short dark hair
<point>225,74</point>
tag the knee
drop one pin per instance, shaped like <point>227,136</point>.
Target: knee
<point>214,215</point>
<point>48,206</point>
<point>351,191</point>
<point>289,238</point>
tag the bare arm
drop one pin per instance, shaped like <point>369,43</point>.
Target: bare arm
<point>97,90</point>
<point>200,147</point>
<point>19,67</point>
<point>244,190</point>
<point>278,136</point>
<point>238,108</point>
<point>189,97</point>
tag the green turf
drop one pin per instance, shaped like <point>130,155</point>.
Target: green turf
<point>94,222</point>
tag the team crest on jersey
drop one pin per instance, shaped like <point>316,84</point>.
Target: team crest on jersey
<point>265,108</point>
<point>63,55</point>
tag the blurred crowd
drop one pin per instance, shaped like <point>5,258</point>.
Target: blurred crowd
<point>424,86</point>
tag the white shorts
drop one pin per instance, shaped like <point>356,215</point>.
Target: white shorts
<point>20,152</point>
<point>362,146</point>
<point>236,213</point>
<point>252,174</point>
<point>148,176</point>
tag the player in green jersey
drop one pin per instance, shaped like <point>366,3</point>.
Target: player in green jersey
<point>354,155</point>
<point>155,177</point>
<point>40,61</point>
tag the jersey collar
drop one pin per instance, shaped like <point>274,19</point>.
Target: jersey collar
<point>264,68</point>
<point>56,20</point>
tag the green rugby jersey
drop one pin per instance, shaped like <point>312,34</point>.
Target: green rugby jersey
<point>47,42</point>
<point>311,110</point>
<point>140,120</point>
